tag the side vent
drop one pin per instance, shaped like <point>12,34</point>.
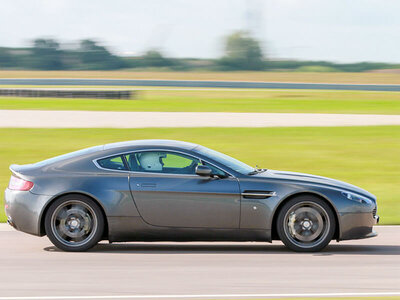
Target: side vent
<point>251,194</point>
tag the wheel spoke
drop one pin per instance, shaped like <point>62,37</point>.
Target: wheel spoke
<point>62,214</point>
<point>73,223</point>
<point>62,232</point>
<point>306,223</point>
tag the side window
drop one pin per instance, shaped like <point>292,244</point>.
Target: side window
<point>162,162</point>
<point>113,163</point>
<point>215,170</point>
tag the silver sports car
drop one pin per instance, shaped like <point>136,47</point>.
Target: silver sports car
<point>162,190</point>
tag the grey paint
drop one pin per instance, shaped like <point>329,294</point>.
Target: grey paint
<point>202,84</point>
<point>186,201</point>
<point>145,206</point>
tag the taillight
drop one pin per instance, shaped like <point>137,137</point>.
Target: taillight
<point>19,184</point>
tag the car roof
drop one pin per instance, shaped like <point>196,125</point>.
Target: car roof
<point>151,143</point>
<point>109,149</point>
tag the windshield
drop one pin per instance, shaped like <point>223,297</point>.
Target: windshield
<point>225,160</point>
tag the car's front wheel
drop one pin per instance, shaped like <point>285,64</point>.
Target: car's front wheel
<point>74,223</point>
<point>306,224</point>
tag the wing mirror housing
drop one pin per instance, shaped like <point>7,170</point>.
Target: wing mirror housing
<point>203,171</point>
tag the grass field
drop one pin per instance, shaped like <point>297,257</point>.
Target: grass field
<point>291,101</point>
<point>318,77</point>
<point>365,156</point>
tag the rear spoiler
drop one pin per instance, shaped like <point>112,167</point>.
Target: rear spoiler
<point>21,170</point>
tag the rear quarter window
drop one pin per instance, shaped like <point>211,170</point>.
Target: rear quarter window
<point>112,163</point>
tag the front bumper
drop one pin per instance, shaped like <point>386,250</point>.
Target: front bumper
<point>357,225</point>
<point>24,210</point>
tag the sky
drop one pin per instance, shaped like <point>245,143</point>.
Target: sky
<point>338,31</point>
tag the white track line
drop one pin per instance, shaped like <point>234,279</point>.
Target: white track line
<point>355,294</point>
<point>112,119</point>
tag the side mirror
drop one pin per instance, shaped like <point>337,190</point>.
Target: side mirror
<point>203,171</point>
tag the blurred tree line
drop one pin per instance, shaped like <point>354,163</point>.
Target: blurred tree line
<point>46,54</point>
<point>241,52</point>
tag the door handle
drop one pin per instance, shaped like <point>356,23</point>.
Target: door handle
<point>148,185</point>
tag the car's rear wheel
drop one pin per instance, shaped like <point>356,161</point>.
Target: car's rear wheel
<point>306,224</point>
<point>74,223</point>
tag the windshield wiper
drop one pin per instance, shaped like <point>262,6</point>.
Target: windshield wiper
<point>256,171</point>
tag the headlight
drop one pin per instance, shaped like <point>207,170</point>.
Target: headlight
<point>355,197</point>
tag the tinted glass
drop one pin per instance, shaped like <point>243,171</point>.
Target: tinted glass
<point>215,170</point>
<point>162,162</point>
<point>113,163</point>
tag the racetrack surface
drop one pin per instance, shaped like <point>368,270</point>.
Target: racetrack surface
<point>199,84</point>
<point>33,267</point>
<point>93,119</point>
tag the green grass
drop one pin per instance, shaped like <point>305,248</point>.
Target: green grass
<point>365,156</point>
<point>290,101</point>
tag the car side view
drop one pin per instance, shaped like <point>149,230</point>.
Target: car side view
<point>164,190</point>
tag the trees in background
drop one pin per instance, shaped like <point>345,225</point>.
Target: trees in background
<point>92,56</point>
<point>6,59</point>
<point>242,52</point>
<point>46,55</point>
<point>154,58</point>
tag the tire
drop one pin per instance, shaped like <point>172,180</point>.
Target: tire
<point>74,223</point>
<point>306,224</point>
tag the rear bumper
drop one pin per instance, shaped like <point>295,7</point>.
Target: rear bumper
<point>24,210</point>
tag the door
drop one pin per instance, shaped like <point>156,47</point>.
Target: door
<point>167,192</point>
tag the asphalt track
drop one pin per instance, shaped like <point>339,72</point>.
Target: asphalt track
<point>200,84</point>
<point>32,267</point>
<point>94,119</point>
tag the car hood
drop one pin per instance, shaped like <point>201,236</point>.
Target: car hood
<point>313,179</point>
